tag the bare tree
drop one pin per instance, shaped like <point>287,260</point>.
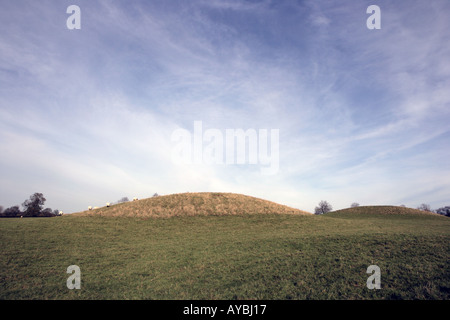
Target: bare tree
<point>424,207</point>
<point>354,205</point>
<point>324,207</point>
<point>124,199</point>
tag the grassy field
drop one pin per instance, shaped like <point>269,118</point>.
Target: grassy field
<point>269,256</point>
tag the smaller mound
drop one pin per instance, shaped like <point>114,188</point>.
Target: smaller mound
<point>194,204</point>
<point>381,210</point>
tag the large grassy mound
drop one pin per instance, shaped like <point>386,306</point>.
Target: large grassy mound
<point>193,204</point>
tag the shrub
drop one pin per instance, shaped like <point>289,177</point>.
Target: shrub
<point>12,212</point>
<point>445,211</point>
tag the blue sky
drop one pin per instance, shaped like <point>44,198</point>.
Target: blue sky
<point>86,116</point>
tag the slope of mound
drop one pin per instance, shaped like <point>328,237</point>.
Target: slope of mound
<point>191,204</point>
<point>380,210</point>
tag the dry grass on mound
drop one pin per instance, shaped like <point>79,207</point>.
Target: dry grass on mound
<point>192,204</point>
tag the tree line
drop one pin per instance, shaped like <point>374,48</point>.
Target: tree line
<point>32,207</point>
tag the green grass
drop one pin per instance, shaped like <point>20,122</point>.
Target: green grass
<point>226,257</point>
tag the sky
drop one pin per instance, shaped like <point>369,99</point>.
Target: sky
<point>91,115</point>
